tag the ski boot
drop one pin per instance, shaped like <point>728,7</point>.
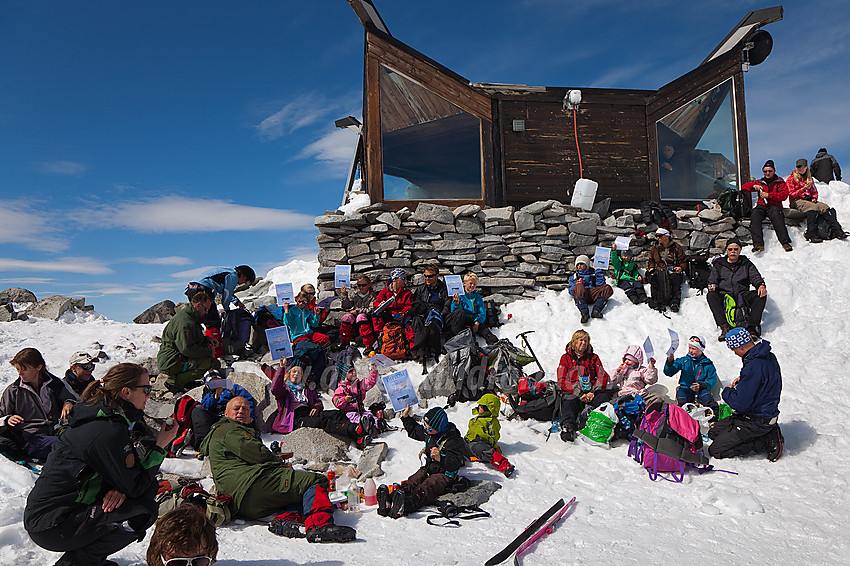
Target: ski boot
<point>331,533</point>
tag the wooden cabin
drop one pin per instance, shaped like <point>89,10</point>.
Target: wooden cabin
<point>430,134</point>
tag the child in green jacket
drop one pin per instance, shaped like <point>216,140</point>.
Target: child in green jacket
<point>627,275</point>
<point>483,435</point>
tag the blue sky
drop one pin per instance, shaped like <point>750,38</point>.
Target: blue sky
<point>141,142</point>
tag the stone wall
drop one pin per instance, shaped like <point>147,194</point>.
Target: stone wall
<point>515,252</point>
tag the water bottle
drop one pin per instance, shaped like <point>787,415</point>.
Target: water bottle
<point>353,497</point>
<point>370,492</point>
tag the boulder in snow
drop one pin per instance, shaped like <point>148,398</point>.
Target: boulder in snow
<point>163,311</point>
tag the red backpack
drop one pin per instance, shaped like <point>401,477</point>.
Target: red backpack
<point>393,341</point>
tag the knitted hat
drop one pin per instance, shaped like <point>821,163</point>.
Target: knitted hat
<point>697,342</point>
<point>437,420</point>
<point>627,252</point>
<point>294,362</point>
<point>769,163</point>
<point>397,273</point>
<point>735,241</point>
<point>737,337</point>
<point>801,162</point>
<point>582,259</point>
<point>662,232</point>
<point>343,368</point>
<point>823,149</point>
<point>213,375</point>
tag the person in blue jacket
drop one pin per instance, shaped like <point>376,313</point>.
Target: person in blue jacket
<point>587,285</point>
<point>217,393</point>
<point>754,398</point>
<point>221,282</point>
<point>698,375</point>
<point>468,311</point>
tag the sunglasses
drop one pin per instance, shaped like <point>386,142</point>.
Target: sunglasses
<point>363,285</point>
<point>801,166</point>
<point>767,171</point>
<point>87,367</point>
<point>430,276</point>
<point>196,561</point>
<point>733,249</point>
<point>146,388</point>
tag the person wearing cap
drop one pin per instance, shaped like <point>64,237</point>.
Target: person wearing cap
<point>444,454</point>
<point>185,353</point>
<point>729,289</point>
<point>260,484</point>
<point>803,196</point>
<point>665,270</point>
<point>626,274</point>
<point>394,300</point>
<point>754,398</point>
<point>218,391</point>
<point>771,191</point>
<point>79,374</point>
<point>588,286</point>
<point>824,166</point>
<point>697,375</point>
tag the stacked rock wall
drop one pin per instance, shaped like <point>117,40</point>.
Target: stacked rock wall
<point>516,252</point>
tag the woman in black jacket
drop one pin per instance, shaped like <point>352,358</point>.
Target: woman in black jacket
<point>96,492</point>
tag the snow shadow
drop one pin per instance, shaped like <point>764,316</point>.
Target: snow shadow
<point>516,447</point>
<point>799,435</point>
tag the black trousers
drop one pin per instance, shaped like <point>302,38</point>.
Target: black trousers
<point>89,535</point>
<point>757,217</point>
<point>572,406</point>
<point>332,422</point>
<point>737,436</point>
<point>657,284</point>
<point>716,302</point>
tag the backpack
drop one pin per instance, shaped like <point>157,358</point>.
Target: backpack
<point>737,312</point>
<point>236,330</point>
<point>505,362</point>
<point>467,368</point>
<point>534,400</point>
<point>630,410</point>
<point>492,317</point>
<point>734,203</point>
<point>661,215</point>
<point>826,221</point>
<point>173,493</point>
<point>667,441</point>
<point>393,341</point>
<point>697,271</point>
<point>662,290</point>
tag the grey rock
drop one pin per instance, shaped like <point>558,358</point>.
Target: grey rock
<point>581,240</point>
<point>390,218</point>
<point>500,214</point>
<point>538,207</point>
<point>500,230</point>
<point>625,222</point>
<point>710,214</point>
<point>51,307</point>
<point>370,460</point>
<point>498,282</point>
<point>331,255</point>
<point>478,493</point>
<point>584,227</point>
<point>335,220</point>
<point>466,210</point>
<point>534,269</point>
<point>427,212</point>
<point>602,207</point>
<point>438,382</point>
<point>163,311</point>
<point>439,228</point>
<point>314,445</point>
<point>454,245</point>
<point>469,226</point>
<point>699,241</point>
<point>17,295</point>
<point>393,262</point>
<point>523,221</point>
<point>355,250</point>
<point>375,229</point>
<point>717,228</point>
<point>150,366</point>
<point>420,237</point>
<point>555,231</point>
<point>612,220</point>
<point>384,245</point>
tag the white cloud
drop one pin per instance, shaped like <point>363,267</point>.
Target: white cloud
<point>28,281</point>
<point>299,113</point>
<point>179,214</point>
<point>334,149</point>
<point>170,260</point>
<point>36,231</point>
<point>71,168</point>
<point>84,265</point>
<point>191,272</point>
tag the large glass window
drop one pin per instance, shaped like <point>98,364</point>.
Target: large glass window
<point>431,147</point>
<point>696,147</point>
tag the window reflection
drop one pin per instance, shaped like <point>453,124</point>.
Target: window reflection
<point>696,147</point>
<point>431,148</point>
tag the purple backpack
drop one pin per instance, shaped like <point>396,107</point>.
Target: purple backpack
<point>667,441</point>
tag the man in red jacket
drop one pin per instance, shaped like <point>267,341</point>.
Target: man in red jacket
<point>772,191</point>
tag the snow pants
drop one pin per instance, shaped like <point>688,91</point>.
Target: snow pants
<point>487,453</point>
<point>757,217</point>
<point>429,487</point>
<point>738,436</point>
<point>687,395</point>
<point>634,290</point>
<point>88,535</point>
<point>361,325</point>
<point>597,296</point>
<point>572,406</point>
<point>276,489</point>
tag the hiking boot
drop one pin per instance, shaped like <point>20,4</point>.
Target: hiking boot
<point>674,307</point>
<point>383,496</point>
<point>596,314</point>
<point>509,471</point>
<point>787,247</point>
<point>397,505</point>
<point>758,248</point>
<point>288,528</point>
<point>723,330</point>
<point>367,422</point>
<point>775,444</point>
<point>814,239</point>
<point>653,304</point>
<point>568,432</point>
<point>755,330</point>
<point>331,533</point>
<point>584,317</point>
<point>634,299</point>
<point>363,441</point>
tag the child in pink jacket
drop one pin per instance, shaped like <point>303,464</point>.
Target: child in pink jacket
<point>350,393</point>
<point>632,377</point>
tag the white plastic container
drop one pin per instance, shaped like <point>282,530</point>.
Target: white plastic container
<point>584,194</point>
<point>353,497</point>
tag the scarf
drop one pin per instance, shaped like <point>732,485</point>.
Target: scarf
<point>297,390</point>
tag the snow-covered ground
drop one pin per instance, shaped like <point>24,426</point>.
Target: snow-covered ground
<point>789,512</point>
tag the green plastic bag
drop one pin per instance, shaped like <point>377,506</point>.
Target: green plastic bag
<point>600,424</point>
<point>725,411</point>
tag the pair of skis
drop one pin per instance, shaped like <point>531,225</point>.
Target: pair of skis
<point>541,526</point>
